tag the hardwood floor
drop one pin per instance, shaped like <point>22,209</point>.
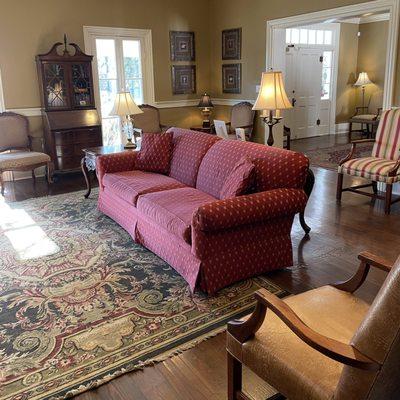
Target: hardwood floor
<point>339,233</point>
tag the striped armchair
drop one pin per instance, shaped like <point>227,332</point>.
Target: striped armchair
<point>382,166</point>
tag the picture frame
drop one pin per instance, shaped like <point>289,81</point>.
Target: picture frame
<point>182,46</point>
<point>232,44</point>
<point>183,79</point>
<point>232,78</point>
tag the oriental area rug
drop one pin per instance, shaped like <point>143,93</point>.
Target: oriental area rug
<point>81,303</point>
<point>330,157</point>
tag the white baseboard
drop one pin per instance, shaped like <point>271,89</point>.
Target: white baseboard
<point>342,128</point>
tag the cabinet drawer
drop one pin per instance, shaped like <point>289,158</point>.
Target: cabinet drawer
<point>72,162</point>
<point>87,135</point>
<point>63,137</point>
<point>62,151</point>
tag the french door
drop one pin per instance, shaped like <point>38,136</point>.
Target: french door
<point>121,62</point>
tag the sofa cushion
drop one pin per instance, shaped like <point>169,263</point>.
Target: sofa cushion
<point>173,209</point>
<point>188,152</point>
<point>274,168</point>
<point>155,153</point>
<point>129,185</point>
<point>239,181</point>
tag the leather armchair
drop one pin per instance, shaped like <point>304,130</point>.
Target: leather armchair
<point>323,344</point>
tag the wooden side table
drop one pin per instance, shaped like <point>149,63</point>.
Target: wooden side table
<point>88,162</point>
<point>202,129</point>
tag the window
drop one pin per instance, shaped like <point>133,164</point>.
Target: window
<point>123,61</point>
<point>326,75</point>
<point>309,36</point>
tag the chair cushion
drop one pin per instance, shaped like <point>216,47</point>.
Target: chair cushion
<point>22,159</point>
<point>240,179</point>
<point>369,117</point>
<point>155,153</point>
<point>292,367</point>
<point>375,169</point>
<point>189,150</point>
<point>129,185</point>
<point>173,209</point>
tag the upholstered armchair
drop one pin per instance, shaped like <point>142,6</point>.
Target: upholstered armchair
<point>16,148</point>
<point>382,166</point>
<point>149,121</point>
<point>325,343</point>
<point>367,115</point>
<point>242,116</point>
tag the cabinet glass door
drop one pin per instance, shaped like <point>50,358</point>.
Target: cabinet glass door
<point>55,86</point>
<point>81,85</point>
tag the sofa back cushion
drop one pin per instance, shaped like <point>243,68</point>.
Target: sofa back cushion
<point>274,168</point>
<point>189,148</point>
<point>155,153</point>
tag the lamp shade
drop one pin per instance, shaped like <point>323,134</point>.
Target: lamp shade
<point>124,105</point>
<point>363,79</point>
<point>272,95</point>
<point>205,101</point>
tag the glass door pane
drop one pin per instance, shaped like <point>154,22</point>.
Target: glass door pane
<point>108,82</point>
<point>82,96</point>
<point>54,75</point>
<point>133,69</point>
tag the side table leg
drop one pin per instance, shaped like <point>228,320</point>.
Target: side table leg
<point>85,172</point>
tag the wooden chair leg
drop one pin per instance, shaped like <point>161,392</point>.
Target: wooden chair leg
<point>50,171</point>
<point>374,187</point>
<point>234,377</point>
<point>388,197</point>
<point>339,188</point>
<point>2,183</point>
<point>350,131</point>
<point>33,175</point>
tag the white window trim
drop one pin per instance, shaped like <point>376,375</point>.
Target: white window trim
<point>144,35</point>
<point>2,103</point>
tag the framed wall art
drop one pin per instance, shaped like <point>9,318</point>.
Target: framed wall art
<point>232,78</point>
<point>183,79</point>
<point>182,46</point>
<point>232,44</point>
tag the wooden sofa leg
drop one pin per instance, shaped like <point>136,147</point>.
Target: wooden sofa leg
<point>388,198</point>
<point>234,377</point>
<point>339,189</point>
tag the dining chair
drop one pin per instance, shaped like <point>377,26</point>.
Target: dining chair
<point>16,152</point>
<point>149,121</point>
<point>242,116</point>
<point>323,344</point>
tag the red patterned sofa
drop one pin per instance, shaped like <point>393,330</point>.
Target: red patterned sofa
<point>210,242</point>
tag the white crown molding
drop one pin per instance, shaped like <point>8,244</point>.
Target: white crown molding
<point>28,112</point>
<point>367,19</point>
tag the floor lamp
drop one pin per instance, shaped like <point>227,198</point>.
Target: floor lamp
<point>271,99</point>
<point>363,80</point>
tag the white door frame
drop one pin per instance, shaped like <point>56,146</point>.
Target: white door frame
<point>392,6</point>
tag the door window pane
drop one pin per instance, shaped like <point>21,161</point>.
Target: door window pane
<point>311,36</point>
<point>295,36</point>
<point>320,37</point>
<point>133,69</point>
<point>288,31</point>
<point>106,59</point>
<point>328,37</point>
<point>303,36</point>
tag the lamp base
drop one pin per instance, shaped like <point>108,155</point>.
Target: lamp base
<point>129,144</point>
<point>206,123</point>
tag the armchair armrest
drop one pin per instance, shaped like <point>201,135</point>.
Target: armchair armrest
<point>344,353</point>
<point>367,260</point>
<point>249,209</point>
<point>360,108</point>
<point>353,149</point>
<point>118,162</point>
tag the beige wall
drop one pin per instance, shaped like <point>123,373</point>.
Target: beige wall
<point>372,55</point>
<point>347,68</point>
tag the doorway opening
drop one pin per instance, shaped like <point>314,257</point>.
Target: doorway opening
<point>321,56</point>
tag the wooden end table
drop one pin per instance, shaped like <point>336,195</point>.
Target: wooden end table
<point>88,162</point>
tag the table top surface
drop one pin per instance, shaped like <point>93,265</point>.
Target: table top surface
<point>103,150</point>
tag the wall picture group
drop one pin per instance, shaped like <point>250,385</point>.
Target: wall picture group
<point>232,50</point>
<point>182,48</point>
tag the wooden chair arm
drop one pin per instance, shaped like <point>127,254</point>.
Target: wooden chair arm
<point>353,149</point>
<point>367,260</point>
<point>393,171</point>
<point>332,348</point>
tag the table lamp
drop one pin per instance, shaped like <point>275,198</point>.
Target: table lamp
<point>205,104</point>
<point>363,80</point>
<point>271,99</point>
<point>125,107</point>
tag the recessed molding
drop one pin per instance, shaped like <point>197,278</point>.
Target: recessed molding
<point>28,112</point>
<point>367,19</point>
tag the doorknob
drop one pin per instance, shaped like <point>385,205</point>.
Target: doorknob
<point>293,101</point>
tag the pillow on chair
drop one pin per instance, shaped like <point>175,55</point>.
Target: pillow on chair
<point>155,152</point>
<point>240,180</point>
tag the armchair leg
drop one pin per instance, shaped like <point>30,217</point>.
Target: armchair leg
<point>234,377</point>
<point>375,187</point>
<point>388,198</point>
<point>50,171</point>
<point>339,189</point>
<point>350,131</point>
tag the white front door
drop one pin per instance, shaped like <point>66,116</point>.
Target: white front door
<point>303,83</point>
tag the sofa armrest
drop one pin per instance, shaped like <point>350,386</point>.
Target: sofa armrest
<point>118,162</point>
<point>249,209</point>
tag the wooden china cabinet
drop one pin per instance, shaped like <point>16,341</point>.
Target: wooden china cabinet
<point>71,122</point>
